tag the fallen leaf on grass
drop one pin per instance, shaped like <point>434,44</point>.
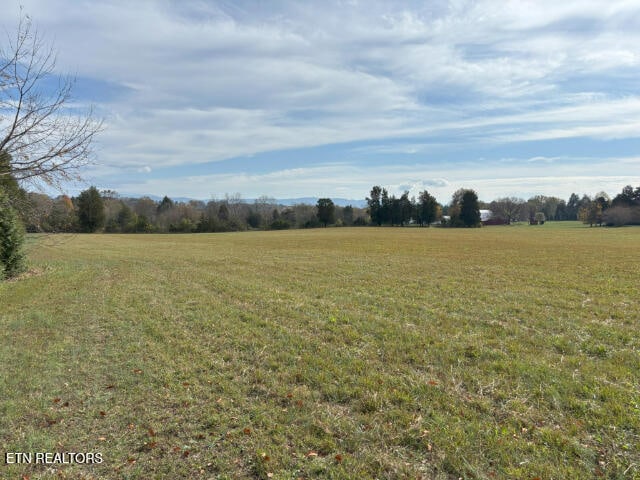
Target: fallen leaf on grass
<point>433,383</point>
<point>247,431</point>
<point>338,458</point>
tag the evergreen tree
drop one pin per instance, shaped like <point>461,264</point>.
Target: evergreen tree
<point>427,208</point>
<point>326,211</point>
<point>11,240</point>
<point>91,214</point>
<point>469,209</point>
<point>347,215</point>
<point>375,206</point>
<point>627,198</point>
<point>406,208</point>
<point>453,209</point>
<point>127,219</point>
<point>386,207</point>
<point>254,219</point>
<point>16,196</point>
<point>573,206</point>
<point>561,211</point>
<point>395,210</point>
<point>165,205</point>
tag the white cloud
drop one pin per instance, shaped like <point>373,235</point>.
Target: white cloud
<point>209,81</point>
<point>507,177</point>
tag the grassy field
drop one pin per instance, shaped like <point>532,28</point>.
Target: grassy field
<point>501,352</point>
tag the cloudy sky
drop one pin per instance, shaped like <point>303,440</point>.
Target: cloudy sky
<point>327,98</point>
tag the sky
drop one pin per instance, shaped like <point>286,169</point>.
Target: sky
<point>328,98</point>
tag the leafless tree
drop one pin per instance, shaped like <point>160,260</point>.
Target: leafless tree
<point>509,208</point>
<point>235,205</point>
<point>47,138</point>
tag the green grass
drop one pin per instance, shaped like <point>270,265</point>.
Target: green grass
<point>501,352</point>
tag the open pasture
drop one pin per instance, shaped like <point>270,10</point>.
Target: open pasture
<point>500,352</point>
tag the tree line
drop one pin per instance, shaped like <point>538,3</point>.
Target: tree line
<point>463,210</point>
<point>623,209</point>
<point>105,211</point>
<point>597,210</point>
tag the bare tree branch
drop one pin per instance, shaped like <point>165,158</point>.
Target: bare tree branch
<point>47,139</point>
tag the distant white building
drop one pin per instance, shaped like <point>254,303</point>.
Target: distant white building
<point>485,215</point>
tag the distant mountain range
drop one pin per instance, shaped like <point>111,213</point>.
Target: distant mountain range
<point>342,202</point>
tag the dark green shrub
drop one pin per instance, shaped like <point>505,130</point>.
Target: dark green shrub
<point>12,259</point>
<point>254,220</point>
<point>280,224</point>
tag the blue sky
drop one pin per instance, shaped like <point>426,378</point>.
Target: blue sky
<point>327,98</point>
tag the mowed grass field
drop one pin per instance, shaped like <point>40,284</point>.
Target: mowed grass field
<point>501,352</point>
